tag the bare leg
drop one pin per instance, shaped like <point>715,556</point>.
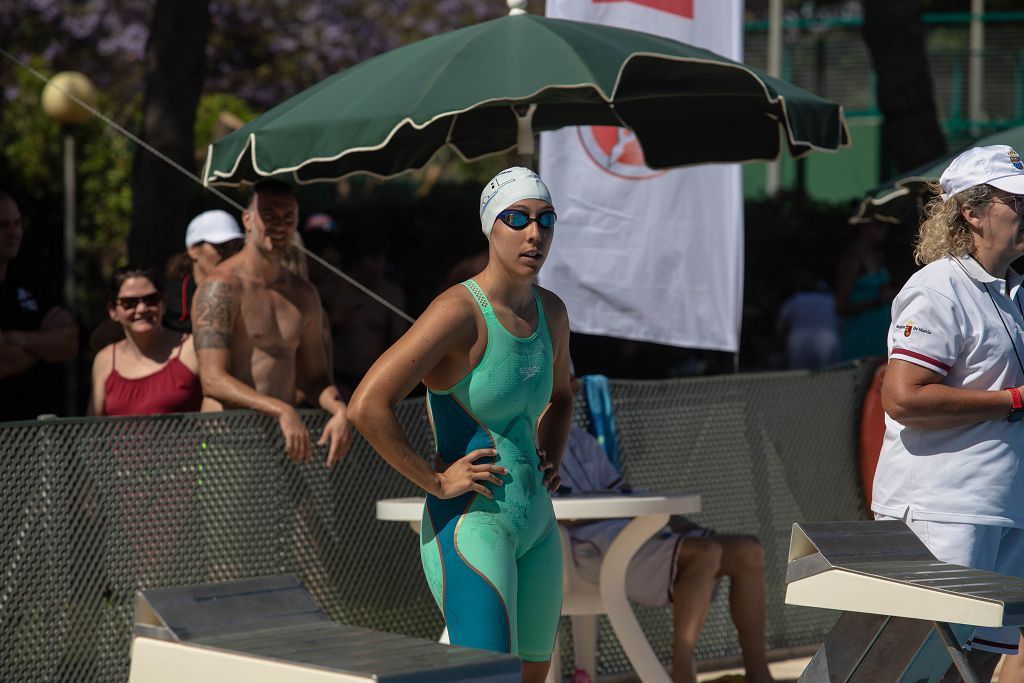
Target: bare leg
<point>743,563</point>
<point>1013,667</point>
<point>698,562</point>
<point>535,672</point>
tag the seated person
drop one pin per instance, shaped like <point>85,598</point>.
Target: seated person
<point>680,566</point>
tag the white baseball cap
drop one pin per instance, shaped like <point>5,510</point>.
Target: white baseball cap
<point>995,165</point>
<point>505,189</point>
<point>215,227</point>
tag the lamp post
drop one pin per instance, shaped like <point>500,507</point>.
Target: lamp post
<point>60,101</point>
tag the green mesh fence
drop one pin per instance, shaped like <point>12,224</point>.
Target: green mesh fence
<point>95,508</point>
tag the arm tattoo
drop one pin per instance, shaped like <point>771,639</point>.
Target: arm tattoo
<point>212,319</point>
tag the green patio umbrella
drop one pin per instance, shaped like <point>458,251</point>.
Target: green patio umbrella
<point>896,199</point>
<point>484,88</point>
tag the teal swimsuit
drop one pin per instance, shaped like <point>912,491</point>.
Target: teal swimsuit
<point>495,566</point>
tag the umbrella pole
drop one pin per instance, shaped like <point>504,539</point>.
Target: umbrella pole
<point>525,144</point>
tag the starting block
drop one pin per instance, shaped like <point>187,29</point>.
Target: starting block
<point>895,597</point>
<point>271,629</point>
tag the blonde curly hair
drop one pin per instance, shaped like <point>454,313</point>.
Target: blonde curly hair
<point>944,230</point>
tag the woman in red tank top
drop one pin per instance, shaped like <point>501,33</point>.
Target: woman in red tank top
<point>153,370</point>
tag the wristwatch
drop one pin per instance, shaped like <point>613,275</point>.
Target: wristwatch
<point>1017,411</point>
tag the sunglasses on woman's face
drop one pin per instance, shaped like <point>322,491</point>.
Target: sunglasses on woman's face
<point>229,248</point>
<point>517,220</point>
<point>1014,201</point>
<point>130,303</point>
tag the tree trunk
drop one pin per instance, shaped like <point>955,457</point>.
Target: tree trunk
<point>894,33</point>
<point>175,69</point>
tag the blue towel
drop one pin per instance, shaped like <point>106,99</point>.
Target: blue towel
<point>602,415</point>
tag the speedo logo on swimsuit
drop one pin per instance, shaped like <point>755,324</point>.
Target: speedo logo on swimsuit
<point>909,327</point>
<point>527,372</point>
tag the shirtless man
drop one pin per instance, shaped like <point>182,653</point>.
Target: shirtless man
<point>258,330</point>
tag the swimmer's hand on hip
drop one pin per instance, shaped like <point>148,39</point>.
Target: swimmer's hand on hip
<point>551,479</point>
<point>465,475</point>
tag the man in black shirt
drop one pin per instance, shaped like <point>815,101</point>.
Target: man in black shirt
<point>33,333</point>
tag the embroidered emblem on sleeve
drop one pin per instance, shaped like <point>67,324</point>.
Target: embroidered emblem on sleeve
<point>909,327</point>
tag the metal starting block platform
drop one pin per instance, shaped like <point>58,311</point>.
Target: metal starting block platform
<point>893,594</point>
<point>270,629</point>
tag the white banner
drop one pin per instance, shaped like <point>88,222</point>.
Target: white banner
<point>642,254</point>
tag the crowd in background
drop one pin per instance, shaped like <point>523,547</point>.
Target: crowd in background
<point>143,355</point>
<point>813,320</point>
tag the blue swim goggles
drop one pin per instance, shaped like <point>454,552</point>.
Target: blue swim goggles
<point>517,220</point>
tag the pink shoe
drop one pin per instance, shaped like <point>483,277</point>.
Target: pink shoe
<point>581,676</point>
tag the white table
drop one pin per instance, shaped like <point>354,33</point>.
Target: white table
<point>649,512</point>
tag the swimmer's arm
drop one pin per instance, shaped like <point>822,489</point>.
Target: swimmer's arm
<point>214,311</point>
<point>446,325</point>
<point>915,397</point>
<point>553,430</point>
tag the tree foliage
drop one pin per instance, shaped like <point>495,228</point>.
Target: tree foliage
<point>259,53</point>
<point>895,36</point>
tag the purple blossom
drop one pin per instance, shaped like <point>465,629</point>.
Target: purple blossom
<point>262,50</point>
<point>80,27</point>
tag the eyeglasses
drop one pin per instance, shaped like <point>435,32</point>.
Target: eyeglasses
<point>229,248</point>
<point>1014,201</point>
<point>517,220</point>
<point>130,303</point>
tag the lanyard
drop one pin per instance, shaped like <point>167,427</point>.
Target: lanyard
<point>1013,341</point>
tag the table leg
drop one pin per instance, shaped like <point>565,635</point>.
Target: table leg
<point>613,595</point>
<point>956,653</point>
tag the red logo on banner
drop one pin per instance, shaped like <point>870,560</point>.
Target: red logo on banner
<point>615,151</point>
<point>683,8</point>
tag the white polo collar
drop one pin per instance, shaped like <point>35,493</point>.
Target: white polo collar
<point>977,272</point>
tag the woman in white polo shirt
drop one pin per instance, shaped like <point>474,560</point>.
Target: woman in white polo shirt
<point>950,460</point>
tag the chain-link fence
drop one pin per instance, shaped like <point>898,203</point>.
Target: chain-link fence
<point>830,58</point>
<point>93,509</point>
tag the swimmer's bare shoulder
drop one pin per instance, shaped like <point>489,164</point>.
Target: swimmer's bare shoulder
<point>452,320</point>
<point>554,310</point>
<point>434,349</point>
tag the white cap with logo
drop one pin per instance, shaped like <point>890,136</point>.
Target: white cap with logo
<point>215,227</point>
<point>505,189</point>
<point>996,165</point>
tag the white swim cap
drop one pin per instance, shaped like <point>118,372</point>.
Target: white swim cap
<point>508,187</point>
